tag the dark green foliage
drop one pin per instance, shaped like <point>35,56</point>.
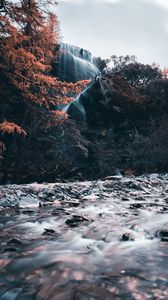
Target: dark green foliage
<point>137,74</point>
<point>101,64</point>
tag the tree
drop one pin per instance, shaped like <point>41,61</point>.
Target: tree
<point>137,74</point>
<point>157,95</point>
<point>27,52</point>
<point>29,35</point>
<point>121,61</point>
<point>101,64</point>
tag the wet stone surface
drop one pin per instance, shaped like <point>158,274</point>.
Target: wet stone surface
<point>85,240</point>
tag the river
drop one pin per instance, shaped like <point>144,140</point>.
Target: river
<point>105,239</point>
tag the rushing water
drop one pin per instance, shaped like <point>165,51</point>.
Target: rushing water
<point>76,64</point>
<point>76,108</point>
<point>89,240</point>
<point>76,61</point>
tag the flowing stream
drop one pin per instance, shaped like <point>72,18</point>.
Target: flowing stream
<point>85,240</point>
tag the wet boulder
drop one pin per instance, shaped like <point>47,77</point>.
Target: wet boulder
<point>76,220</point>
<point>127,237</point>
<point>163,235</point>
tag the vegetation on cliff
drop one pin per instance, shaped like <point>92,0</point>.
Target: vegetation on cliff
<point>126,109</point>
<point>137,137</point>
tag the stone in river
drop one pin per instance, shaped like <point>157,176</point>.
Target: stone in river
<point>127,237</point>
<point>163,235</point>
<point>49,231</point>
<point>76,220</point>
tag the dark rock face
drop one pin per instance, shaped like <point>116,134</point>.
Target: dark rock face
<point>74,64</point>
<point>106,102</point>
<point>92,107</point>
<point>85,106</point>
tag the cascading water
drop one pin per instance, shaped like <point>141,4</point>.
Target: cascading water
<point>76,108</point>
<point>75,64</point>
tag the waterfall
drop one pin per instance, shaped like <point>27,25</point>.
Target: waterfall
<point>76,108</point>
<point>75,64</point>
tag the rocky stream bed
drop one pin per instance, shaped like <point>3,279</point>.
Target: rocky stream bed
<point>85,240</point>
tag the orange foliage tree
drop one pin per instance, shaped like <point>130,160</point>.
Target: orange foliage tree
<point>165,72</point>
<point>29,95</point>
<point>28,39</point>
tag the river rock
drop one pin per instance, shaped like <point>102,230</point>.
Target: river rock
<point>76,220</point>
<point>163,235</point>
<point>127,237</point>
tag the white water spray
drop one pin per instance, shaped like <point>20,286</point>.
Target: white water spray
<point>76,63</point>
